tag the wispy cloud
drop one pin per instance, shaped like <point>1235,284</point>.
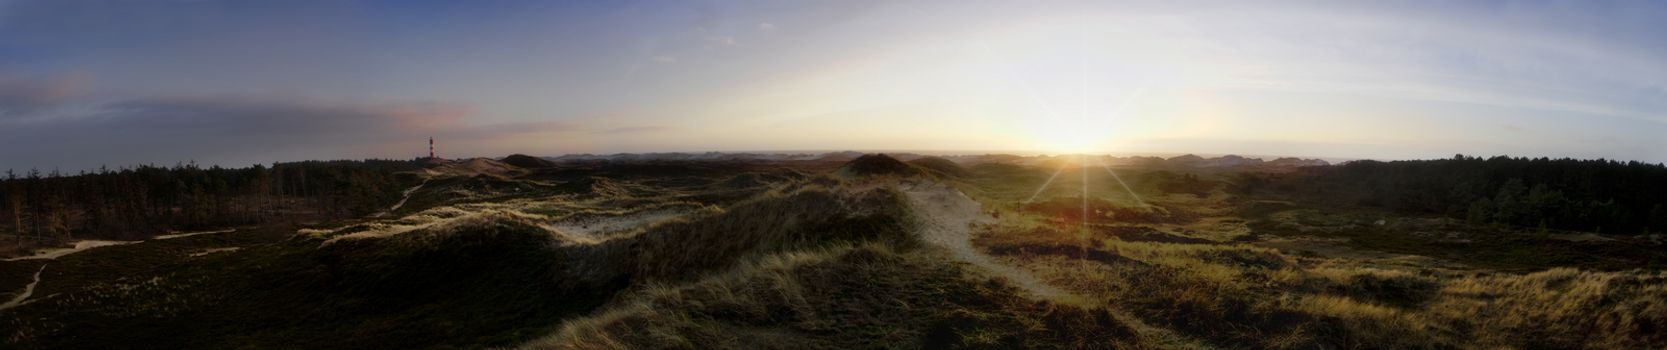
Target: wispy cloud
<point>633,129</point>
<point>723,40</point>
<point>20,97</point>
<point>225,130</point>
<point>722,71</point>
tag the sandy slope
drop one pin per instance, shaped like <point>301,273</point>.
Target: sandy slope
<point>596,228</point>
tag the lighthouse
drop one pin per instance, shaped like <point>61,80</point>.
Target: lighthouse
<point>431,147</point>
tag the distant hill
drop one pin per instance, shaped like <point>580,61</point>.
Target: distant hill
<point>940,166</point>
<point>528,162</point>
<point>878,165</point>
<point>593,186</point>
<point>1297,162</point>
<point>843,156</point>
<point>681,156</point>
<point>1186,160</point>
<point>472,167</point>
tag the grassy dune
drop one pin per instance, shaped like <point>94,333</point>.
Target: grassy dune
<point>1239,295</point>
<point>461,275</point>
<point>869,296</point>
<point>483,282</point>
<point>780,259</point>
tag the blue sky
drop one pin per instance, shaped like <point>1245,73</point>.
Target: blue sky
<point>88,83</point>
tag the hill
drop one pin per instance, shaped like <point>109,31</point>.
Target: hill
<point>940,166</point>
<point>875,251</point>
<point>878,165</point>
<point>528,162</point>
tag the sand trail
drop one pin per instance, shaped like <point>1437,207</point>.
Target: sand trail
<point>27,291</point>
<point>949,216</point>
<point>406,196</point>
<point>189,234</point>
<point>54,253</point>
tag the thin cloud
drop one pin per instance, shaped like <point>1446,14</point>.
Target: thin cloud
<point>766,26</point>
<point>233,131</point>
<point>510,130</point>
<point>20,97</point>
<point>633,129</point>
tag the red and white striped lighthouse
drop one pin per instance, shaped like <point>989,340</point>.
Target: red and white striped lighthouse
<point>431,147</point>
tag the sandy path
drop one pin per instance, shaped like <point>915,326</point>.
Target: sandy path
<point>206,252</point>
<point>27,291</point>
<point>189,234</point>
<point>949,216</point>
<point>1583,237</point>
<point>55,253</point>
<point>405,197</point>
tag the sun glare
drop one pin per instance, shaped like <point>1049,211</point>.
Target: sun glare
<point>1068,135</point>
<point>1067,141</point>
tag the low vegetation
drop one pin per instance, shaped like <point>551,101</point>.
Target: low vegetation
<point>1241,295</point>
<point>1187,252</point>
<point>480,282</point>
<point>869,296</point>
<point>50,209</point>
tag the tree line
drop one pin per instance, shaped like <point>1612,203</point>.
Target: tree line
<point>138,202</point>
<point>1567,194</point>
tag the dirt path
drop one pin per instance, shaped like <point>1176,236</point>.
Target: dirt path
<point>949,217</point>
<point>55,253</point>
<point>189,234</point>
<point>405,197</point>
<point>208,251</point>
<point>27,291</point>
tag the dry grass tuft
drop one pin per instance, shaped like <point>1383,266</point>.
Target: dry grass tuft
<point>1247,296</point>
<point>1557,308</point>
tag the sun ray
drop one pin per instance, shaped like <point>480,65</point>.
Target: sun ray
<point>1082,233</point>
<point>1125,185</point>
<point>1046,183</point>
<point>1084,171</point>
<point>1129,99</point>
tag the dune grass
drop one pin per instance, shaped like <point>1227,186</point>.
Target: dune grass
<point>867,296</point>
<point>492,277</point>
<point>1242,296</point>
<point>486,282</point>
<point>800,218</point>
<point>792,261</point>
<point>1557,308</point>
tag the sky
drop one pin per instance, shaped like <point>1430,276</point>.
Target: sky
<point>92,83</point>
